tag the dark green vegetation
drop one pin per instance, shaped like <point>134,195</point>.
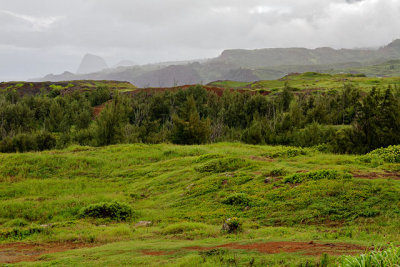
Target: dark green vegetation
<point>97,195</point>
<point>352,115</point>
<point>53,89</point>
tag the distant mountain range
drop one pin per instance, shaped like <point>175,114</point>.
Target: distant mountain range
<point>238,65</point>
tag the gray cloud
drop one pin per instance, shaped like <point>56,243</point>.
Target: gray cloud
<point>35,41</point>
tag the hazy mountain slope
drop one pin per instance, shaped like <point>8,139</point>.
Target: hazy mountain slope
<point>91,63</point>
<point>244,65</point>
<point>270,57</point>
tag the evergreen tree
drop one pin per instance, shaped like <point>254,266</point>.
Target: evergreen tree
<point>188,128</point>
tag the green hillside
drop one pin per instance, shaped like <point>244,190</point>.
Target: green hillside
<point>315,202</point>
<point>388,69</point>
<point>313,81</point>
<point>56,88</point>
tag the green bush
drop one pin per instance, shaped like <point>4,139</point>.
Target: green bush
<point>16,223</point>
<point>232,225</point>
<point>237,200</point>
<point>113,210</point>
<point>277,172</point>
<point>287,152</point>
<point>21,233</point>
<point>180,228</point>
<point>223,165</point>
<point>316,175</point>
<point>388,154</point>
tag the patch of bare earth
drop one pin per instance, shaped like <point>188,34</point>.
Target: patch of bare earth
<point>258,158</point>
<point>20,252</point>
<point>157,252</point>
<point>376,175</point>
<point>307,248</point>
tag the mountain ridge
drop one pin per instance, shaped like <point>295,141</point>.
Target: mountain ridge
<point>241,65</point>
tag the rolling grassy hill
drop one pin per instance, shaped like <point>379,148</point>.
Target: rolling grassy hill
<point>294,205</point>
<point>312,81</point>
<point>34,88</point>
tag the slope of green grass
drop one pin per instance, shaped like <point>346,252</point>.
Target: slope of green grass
<point>310,81</point>
<point>187,192</point>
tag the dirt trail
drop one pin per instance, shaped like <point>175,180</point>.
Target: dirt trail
<point>18,252</point>
<point>307,248</point>
<point>376,175</point>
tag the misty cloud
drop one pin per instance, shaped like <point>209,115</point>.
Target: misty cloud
<point>47,36</point>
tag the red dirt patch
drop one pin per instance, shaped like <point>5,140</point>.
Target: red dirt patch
<point>307,248</point>
<point>18,252</point>
<point>258,158</point>
<point>157,253</point>
<point>376,175</point>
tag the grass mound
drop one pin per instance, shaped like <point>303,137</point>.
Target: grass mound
<point>223,165</point>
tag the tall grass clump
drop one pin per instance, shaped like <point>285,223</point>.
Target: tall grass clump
<point>386,258</point>
<point>223,165</point>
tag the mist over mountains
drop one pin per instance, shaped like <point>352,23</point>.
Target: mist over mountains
<point>236,65</point>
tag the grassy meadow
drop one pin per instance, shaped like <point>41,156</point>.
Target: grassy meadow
<point>310,81</point>
<point>186,193</point>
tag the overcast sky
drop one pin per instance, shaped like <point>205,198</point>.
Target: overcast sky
<point>38,37</point>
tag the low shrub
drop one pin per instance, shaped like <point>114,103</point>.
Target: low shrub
<point>287,152</point>
<point>16,223</point>
<point>316,175</point>
<point>180,228</point>
<point>277,172</point>
<point>389,154</point>
<point>113,210</point>
<point>223,165</point>
<point>239,199</point>
<point>21,233</point>
<point>232,225</point>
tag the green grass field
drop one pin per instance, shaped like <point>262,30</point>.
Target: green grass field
<point>187,192</point>
<point>310,81</point>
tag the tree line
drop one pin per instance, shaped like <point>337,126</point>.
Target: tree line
<point>342,121</point>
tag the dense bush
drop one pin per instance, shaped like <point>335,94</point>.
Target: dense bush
<point>112,210</point>
<point>343,121</point>
<point>388,154</point>
<point>239,199</point>
<point>28,142</point>
<point>232,225</point>
<point>287,152</point>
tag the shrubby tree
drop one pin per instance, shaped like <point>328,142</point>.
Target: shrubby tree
<point>188,128</point>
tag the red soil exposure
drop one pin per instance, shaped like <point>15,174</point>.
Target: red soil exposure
<point>307,248</point>
<point>18,252</point>
<point>375,175</point>
<point>98,109</point>
<point>259,158</point>
<point>157,253</point>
